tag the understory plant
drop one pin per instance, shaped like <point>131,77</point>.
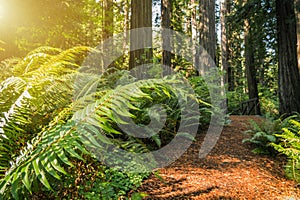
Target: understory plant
<point>269,103</point>
<point>279,136</point>
<point>55,115</point>
<point>290,146</point>
<point>263,134</point>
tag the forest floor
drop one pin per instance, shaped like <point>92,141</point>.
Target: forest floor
<point>230,171</point>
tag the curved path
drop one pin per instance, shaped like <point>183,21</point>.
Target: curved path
<point>231,171</point>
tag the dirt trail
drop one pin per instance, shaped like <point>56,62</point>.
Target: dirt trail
<point>231,171</point>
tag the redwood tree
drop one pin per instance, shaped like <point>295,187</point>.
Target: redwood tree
<point>289,79</point>
<point>141,16</point>
<point>207,23</point>
<point>250,64</point>
<point>297,9</point>
<point>108,18</point>
<point>225,44</point>
<point>166,23</point>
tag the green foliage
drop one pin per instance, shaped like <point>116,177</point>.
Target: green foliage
<point>268,100</point>
<point>234,101</point>
<point>113,185</point>
<point>269,103</point>
<point>281,135</point>
<point>290,146</point>
<point>6,67</point>
<point>46,130</point>
<point>263,134</point>
<point>93,180</point>
<point>63,139</point>
<point>261,17</point>
<point>203,96</point>
<point>56,23</point>
<point>38,89</point>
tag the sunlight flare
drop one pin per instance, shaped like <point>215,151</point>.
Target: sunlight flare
<point>1,11</point>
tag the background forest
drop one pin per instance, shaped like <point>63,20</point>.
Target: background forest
<point>48,135</point>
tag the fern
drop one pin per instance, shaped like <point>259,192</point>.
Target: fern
<point>262,135</point>
<point>44,125</point>
<point>265,134</point>
<point>290,146</point>
<point>92,126</point>
<point>6,67</point>
<point>38,89</point>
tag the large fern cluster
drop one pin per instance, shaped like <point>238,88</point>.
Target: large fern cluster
<point>279,136</point>
<point>36,91</point>
<point>43,124</point>
<point>264,133</point>
<point>290,146</point>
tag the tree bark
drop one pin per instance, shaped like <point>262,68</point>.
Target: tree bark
<point>126,24</point>
<point>166,43</point>
<point>297,11</point>
<point>289,79</point>
<point>250,66</point>
<point>225,51</point>
<point>212,29</point>
<point>207,32</point>
<point>108,19</point>
<point>141,16</point>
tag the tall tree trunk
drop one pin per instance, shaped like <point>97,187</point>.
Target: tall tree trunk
<point>108,19</point>
<point>297,10</point>
<point>126,25</point>
<point>107,31</point>
<point>289,79</point>
<point>207,32</point>
<point>166,43</point>
<point>194,32</point>
<point>250,66</point>
<point>225,52</point>
<point>226,77</point>
<point>194,23</point>
<point>141,16</point>
<point>212,29</point>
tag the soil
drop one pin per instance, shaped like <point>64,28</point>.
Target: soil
<point>230,171</point>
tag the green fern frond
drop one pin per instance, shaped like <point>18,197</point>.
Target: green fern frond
<point>29,101</point>
<point>90,127</point>
<point>63,63</point>
<point>46,50</point>
<point>50,120</point>
<point>6,67</point>
<point>290,146</point>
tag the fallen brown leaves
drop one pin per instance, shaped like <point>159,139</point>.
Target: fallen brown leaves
<point>231,171</point>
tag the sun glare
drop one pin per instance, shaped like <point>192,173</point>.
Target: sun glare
<point>1,11</point>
